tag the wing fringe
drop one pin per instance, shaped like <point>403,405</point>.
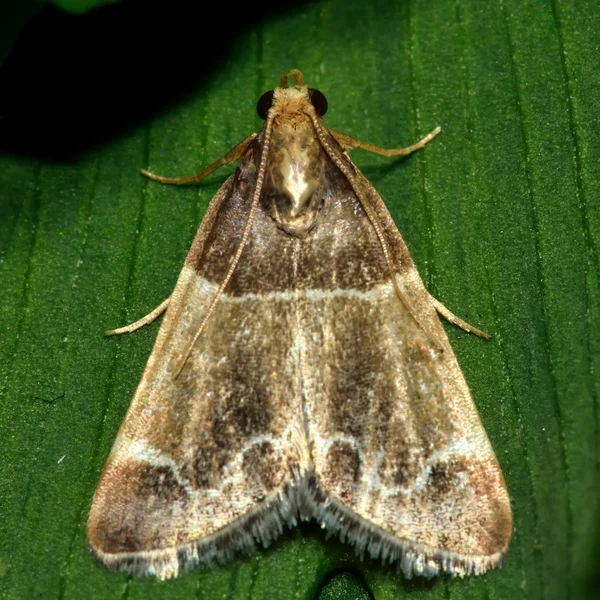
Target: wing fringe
<point>300,500</point>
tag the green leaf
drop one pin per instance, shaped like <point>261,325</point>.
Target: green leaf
<point>501,213</point>
<point>344,586</point>
<point>81,6</point>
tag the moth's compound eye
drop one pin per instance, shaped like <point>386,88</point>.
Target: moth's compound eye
<point>318,100</point>
<point>264,104</point>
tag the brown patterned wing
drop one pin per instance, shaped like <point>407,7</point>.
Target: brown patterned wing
<point>203,462</point>
<point>311,392</point>
<point>404,468</point>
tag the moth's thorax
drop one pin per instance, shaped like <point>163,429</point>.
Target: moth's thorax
<point>295,182</point>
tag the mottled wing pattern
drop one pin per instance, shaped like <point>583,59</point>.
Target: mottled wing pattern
<point>202,460</point>
<point>398,446</point>
<point>311,392</point>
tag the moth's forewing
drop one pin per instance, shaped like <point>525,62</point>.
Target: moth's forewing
<point>199,451</point>
<point>396,439</point>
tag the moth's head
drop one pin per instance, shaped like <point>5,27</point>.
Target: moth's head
<point>289,104</point>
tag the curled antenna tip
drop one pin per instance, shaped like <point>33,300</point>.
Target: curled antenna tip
<point>297,75</point>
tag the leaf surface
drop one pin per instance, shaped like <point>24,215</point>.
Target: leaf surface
<point>501,213</point>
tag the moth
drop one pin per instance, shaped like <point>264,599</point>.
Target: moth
<point>301,372</point>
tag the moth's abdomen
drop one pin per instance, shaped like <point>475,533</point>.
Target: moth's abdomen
<point>294,187</point>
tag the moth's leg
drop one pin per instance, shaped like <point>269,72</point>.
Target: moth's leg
<point>232,156</point>
<point>149,318</point>
<point>349,142</point>
<point>452,318</point>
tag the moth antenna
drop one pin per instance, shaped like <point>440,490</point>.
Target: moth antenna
<point>372,216</point>
<point>236,259</point>
<point>297,75</point>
